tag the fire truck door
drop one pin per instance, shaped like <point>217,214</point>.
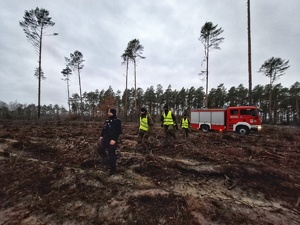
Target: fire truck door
<point>232,118</point>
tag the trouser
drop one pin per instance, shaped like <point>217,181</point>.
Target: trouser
<point>142,136</point>
<point>108,151</point>
<point>169,131</point>
<point>186,132</point>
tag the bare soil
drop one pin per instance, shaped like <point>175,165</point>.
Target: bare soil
<point>50,173</point>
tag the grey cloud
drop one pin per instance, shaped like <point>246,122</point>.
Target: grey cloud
<point>169,32</point>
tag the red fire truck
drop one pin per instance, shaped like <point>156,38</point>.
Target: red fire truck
<point>241,119</point>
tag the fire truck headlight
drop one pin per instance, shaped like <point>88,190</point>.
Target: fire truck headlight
<point>259,127</point>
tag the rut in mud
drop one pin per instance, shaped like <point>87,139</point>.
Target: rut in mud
<point>51,174</point>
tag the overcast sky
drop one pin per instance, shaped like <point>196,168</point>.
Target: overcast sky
<point>168,30</point>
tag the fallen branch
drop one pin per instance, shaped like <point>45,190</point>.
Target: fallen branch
<point>274,154</point>
<point>234,184</point>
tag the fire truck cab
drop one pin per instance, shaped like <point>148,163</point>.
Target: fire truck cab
<point>241,119</point>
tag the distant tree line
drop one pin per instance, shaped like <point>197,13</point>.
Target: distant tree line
<point>278,104</point>
<point>284,108</point>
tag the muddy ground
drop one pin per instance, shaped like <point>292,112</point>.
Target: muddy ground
<point>50,173</point>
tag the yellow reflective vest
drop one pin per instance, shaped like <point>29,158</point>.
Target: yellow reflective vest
<point>185,123</point>
<point>168,120</point>
<point>144,123</point>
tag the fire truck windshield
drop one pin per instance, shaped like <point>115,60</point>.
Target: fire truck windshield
<point>251,112</point>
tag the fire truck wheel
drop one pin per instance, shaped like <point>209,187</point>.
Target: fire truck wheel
<point>242,130</point>
<point>204,128</point>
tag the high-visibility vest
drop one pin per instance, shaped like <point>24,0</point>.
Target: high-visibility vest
<point>144,123</point>
<point>168,120</point>
<point>185,123</point>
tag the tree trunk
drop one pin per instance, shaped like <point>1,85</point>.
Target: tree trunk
<point>297,110</point>
<point>270,105</point>
<point>81,105</point>
<point>275,117</point>
<point>40,75</point>
<point>249,56</point>
<point>206,94</point>
<point>68,86</point>
<point>126,92</point>
<point>135,92</point>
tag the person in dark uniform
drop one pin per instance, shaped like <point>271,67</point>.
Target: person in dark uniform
<point>109,139</point>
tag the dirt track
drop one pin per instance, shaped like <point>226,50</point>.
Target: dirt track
<point>51,174</point>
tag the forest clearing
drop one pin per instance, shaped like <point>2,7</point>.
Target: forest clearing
<point>51,174</point>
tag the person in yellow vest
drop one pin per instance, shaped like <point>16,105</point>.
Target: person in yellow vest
<point>146,123</point>
<point>168,122</point>
<point>185,124</point>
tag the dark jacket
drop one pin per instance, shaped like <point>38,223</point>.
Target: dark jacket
<point>111,129</point>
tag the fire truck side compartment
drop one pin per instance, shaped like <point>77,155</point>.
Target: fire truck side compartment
<point>215,117</point>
